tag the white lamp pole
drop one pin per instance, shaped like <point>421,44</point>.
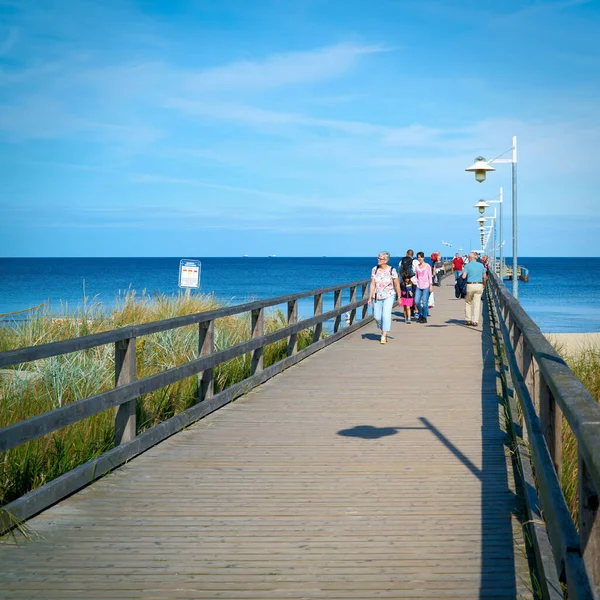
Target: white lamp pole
<point>481,206</point>
<point>493,237</point>
<point>501,238</point>
<point>480,169</point>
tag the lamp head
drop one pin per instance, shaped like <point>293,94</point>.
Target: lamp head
<point>481,221</point>
<point>481,206</point>
<point>480,167</point>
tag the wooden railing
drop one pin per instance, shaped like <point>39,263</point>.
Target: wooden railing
<point>128,388</point>
<point>547,390</point>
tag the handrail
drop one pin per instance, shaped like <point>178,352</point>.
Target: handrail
<point>35,427</point>
<point>128,388</point>
<point>22,355</point>
<point>546,389</point>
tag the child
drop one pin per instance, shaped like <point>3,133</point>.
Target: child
<point>407,295</point>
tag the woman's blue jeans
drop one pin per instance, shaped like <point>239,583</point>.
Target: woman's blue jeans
<point>382,311</point>
<point>422,296</point>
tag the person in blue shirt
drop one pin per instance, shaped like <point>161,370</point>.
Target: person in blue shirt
<point>476,275</point>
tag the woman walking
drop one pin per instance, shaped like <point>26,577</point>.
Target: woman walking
<point>384,287</point>
<point>424,287</point>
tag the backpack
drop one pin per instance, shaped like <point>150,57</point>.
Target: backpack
<point>391,269</point>
<point>406,266</point>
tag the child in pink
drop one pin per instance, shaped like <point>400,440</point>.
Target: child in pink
<point>407,294</point>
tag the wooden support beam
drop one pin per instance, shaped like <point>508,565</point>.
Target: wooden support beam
<point>258,330</point>
<point>337,303</point>
<point>365,296</point>
<point>292,318</point>
<point>352,300</point>
<point>589,522</point>
<point>125,373</point>
<point>206,346</point>
<point>318,311</point>
<point>550,423</point>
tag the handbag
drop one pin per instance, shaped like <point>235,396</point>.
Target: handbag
<point>431,302</point>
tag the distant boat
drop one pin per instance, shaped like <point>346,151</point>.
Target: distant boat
<point>244,256</point>
<point>272,255</point>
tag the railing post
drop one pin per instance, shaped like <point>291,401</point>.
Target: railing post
<point>352,300</point>
<point>318,311</point>
<point>517,343</point>
<point>589,522</point>
<point>258,330</point>
<point>206,346</point>
<point>125,418</point>
<point>506,315</point>
<point>365,296</point>
<point>337,303</point>
<point>550,422</point>
<point>292,318</point>
<point>528,370</point>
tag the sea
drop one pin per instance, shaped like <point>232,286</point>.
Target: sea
<point>562,295</point>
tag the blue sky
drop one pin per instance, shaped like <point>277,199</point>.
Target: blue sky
<point>296,128</point>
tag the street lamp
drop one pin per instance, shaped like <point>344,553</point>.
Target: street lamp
<point>481,206</point>
<point>480,168</point>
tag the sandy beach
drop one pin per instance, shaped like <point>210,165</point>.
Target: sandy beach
<point>573,343</point>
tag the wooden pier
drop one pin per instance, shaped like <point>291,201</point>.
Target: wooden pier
<point>365,471</point>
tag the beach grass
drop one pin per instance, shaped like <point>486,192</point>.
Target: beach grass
<point>37,387</point>
<point>585,363</point>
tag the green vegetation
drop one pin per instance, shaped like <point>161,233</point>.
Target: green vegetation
<point>586,365</point>
<point>34,388</point>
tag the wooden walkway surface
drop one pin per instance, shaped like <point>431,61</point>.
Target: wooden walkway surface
<point>366,471</point>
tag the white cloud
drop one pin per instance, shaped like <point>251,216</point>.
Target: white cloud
<point>287,68</point>
<point>40,117</point>
<point>412,135</point>
<point>148,178</point>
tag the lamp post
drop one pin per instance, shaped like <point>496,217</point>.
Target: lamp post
<point>481,206</point>
<point>480,168</point>
<point>491,233</point>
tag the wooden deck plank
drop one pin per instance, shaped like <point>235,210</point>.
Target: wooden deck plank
<point>365,471</point>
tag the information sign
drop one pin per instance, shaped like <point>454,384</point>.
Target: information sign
<point>189,273</point>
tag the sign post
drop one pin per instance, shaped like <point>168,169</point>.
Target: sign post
<point>189,273</point>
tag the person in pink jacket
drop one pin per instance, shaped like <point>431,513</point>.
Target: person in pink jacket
<point>424,287</point>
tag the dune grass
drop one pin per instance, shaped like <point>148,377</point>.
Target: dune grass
<point>37,387</point>
<point>586,366</point>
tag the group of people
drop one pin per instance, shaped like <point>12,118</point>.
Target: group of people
<point>412,283</point>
